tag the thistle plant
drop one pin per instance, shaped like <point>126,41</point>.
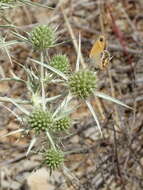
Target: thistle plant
<point>53,158</point>
<point>42,37</point>
<point>82,83</point>
<point>43,116</point>
<point>40,120</point>
<point>6,4</point>
<point>63,124</point>
<point>60,62</point>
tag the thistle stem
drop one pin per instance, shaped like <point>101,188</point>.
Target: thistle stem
<point>51,140</point>
<point>42,82</point>
<point>94,115</point>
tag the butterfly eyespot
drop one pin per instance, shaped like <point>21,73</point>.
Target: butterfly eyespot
<point>101,39</point>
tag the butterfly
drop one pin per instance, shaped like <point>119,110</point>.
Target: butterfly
<point>99,54</point>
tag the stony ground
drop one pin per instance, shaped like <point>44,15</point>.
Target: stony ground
<point>114,162</point>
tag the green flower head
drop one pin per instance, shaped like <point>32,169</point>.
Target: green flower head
<point>53,158</point>
<point>43,37</point>
<point>40,120</point>
<point>62,124</point>
<point>83,83</point>
<point>60,62</point>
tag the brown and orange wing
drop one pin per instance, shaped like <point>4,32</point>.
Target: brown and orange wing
<point>98,47</point>
<point>105,60</point>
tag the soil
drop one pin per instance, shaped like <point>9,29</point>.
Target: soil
<point>111,162</point>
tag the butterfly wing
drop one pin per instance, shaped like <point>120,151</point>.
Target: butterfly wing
<point>105,60</point>
<point>97,49</point>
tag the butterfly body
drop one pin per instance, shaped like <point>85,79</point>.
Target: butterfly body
<point>105,60</point>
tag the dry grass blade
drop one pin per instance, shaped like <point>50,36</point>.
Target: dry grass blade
<point>9,43</point>
<point>31,145</point>
<point>12,133</point>
<point>72,37</point>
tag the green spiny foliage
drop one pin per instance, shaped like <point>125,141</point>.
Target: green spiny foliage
<point>81,84</point>
<point>7,1</point>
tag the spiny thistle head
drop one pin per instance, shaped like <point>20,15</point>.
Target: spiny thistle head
<point>40,120</point>
<point>43,37</point>
<point>62,124</point>
<point>82,83</point>
<point>60,62</point>
<point>53,158</point>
